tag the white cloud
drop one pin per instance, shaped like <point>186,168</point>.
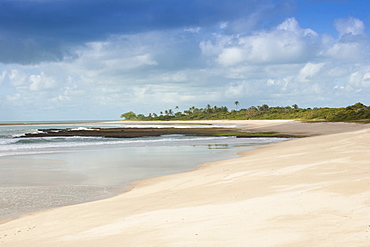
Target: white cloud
<point>352,46</point>
<point>2,76</point>
<point>231,56</point>
<point>14,97</point>
<point>351,26</point>
<point>360,78</point>
<point>193,30</point>
<point>351,51</point>
<point>119,53</point>
<point>139,92</point>
<point>337,71</point>
<point>292,25</point>
<point>274,47</point>
<point>270,82</point>
<point>287,43</point>
<point>69,92</point>
<point>223,25</point>
<point>366,79</point>
<point>280,83</point>
<point>157,70</point>
<point>309,71</point>
<point>174,77</point>
<point>210,48</point>
<point>17,78</point>
<point>41,82</point>
<point>145,59</point>
<point>235,89</point>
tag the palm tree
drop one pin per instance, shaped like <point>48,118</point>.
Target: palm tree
<point>208,108</point>
<point>236,105</point>
<point>177,108</point>
<point>192,109</point>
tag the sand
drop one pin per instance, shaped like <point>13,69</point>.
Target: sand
<point>312,191</point>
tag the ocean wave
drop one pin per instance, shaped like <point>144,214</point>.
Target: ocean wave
<point>83,128</point>
<point>7,141</point>
<point>11,144</point>
<point>59,144</point>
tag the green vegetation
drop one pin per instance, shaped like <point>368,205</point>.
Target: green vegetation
<point>129,115</point>
<point>357,112</point>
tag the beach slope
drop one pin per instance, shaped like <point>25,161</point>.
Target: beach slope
<point>311,191</point>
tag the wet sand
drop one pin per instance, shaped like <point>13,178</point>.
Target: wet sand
<point>30,184</point>
<point>304,192</point>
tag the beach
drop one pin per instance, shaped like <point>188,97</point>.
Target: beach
<point>311,191</point>
<point>81,164</point>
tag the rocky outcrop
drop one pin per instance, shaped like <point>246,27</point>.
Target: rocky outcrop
<point>129,132</point>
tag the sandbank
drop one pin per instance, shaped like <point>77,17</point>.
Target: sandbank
<point>311,191</point>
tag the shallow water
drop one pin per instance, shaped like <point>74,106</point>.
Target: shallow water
<point>65,173</point>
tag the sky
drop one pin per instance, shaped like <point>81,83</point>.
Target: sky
<point>97,59</point>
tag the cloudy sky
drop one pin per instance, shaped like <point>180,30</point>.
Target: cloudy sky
<point>96,59</point>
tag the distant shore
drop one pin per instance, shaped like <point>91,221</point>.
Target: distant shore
<point>289,127</point>
<point>304,192</point>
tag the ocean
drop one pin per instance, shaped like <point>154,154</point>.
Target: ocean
<point>45,172</point>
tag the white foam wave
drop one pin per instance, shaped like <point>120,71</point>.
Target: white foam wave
<point>49,144</point>
<point>9,145</point>
<point>82,128</point>
<point>7,141</point>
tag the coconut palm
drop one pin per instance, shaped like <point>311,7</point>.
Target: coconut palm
<point>236,105</point>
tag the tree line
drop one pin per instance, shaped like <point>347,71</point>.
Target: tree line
<point>354,112</point>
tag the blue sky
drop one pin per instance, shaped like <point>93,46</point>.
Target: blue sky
<point>96,59</point>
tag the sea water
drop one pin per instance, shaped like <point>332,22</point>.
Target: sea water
<point>44,172</point>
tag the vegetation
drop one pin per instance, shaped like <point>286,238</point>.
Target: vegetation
<point>356,112</point>
<point>129,115</point>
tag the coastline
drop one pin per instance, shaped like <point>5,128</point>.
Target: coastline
<point>303,192</point>
<point>38,181</point>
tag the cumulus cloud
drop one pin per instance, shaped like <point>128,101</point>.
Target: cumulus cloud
<point>287,43</point>
<point>17,77</point>
<point>41,82</point>
<point>279,64</point>
<point>309,71</point>
<point>348,51</point>
<point>360,78</point>
<point>2,76</point>
<point>352,44</point>
<point>231,56</point>
<point>352,26</point>
<point>37,31</point>
<point>291,25</point>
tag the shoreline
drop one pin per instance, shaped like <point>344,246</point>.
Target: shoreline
<point>288,127</point>
<point>82,176</point>
<point>82,163</point>
<point>178,208</point>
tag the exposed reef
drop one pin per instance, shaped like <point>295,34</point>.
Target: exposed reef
<point>148,132</point>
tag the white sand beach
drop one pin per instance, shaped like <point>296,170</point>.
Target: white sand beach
<point>311,191</point>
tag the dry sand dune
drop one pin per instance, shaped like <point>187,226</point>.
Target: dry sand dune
<point>311,191</point>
